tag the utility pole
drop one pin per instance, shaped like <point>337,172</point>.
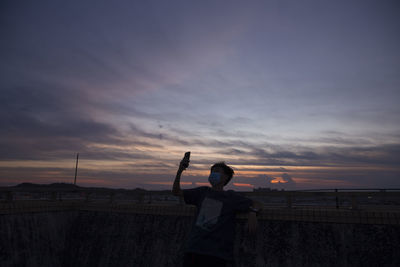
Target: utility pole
<point>76,167</point>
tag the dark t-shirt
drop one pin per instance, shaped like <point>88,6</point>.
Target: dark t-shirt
<point>213,229</point>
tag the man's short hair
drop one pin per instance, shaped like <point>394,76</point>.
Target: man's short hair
<point>227,170</point>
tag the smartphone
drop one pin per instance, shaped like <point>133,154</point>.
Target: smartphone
<point>186,157</point>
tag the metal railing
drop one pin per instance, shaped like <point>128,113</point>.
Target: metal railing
<point>328,198</point>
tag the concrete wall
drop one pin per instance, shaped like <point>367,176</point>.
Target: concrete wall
<point>99,238</point>
<point>35,239</point>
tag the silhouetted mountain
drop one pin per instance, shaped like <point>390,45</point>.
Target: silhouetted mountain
<point>63,185</point>
<point>28,185</point>
<point>53,185</point>
<point>67,186</point>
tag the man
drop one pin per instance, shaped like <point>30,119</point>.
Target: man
<point>210,241</point>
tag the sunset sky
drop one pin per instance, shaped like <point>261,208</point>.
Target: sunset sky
<point>291,94</point>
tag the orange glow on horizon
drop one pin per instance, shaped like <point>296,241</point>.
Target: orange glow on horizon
<point>276,181</point>
<point>168,183</point>
<point>202,184</point>
<point>243,185</point>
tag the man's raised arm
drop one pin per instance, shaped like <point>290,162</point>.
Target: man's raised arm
<point>176,189</point>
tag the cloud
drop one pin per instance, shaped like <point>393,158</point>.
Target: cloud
<point>287,179</point>
<point>102,83</point>
<point>266,178</point>
<point>40,122</point>
<point>289,155</point>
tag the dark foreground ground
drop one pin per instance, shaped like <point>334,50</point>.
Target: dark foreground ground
<point>94,238</point>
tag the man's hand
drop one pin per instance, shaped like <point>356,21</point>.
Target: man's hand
<point>258,205</point>
<point>183,165</point>
<point>252,223</point>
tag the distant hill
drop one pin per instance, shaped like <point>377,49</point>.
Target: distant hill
<point>28,185</point>
<point>53,185</point>
<point>67,186</point>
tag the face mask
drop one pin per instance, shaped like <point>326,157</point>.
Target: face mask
<point>214,178</point>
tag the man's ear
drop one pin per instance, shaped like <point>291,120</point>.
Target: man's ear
<point>227,180</point>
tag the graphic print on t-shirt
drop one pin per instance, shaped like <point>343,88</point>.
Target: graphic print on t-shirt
<point>209,213</point>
